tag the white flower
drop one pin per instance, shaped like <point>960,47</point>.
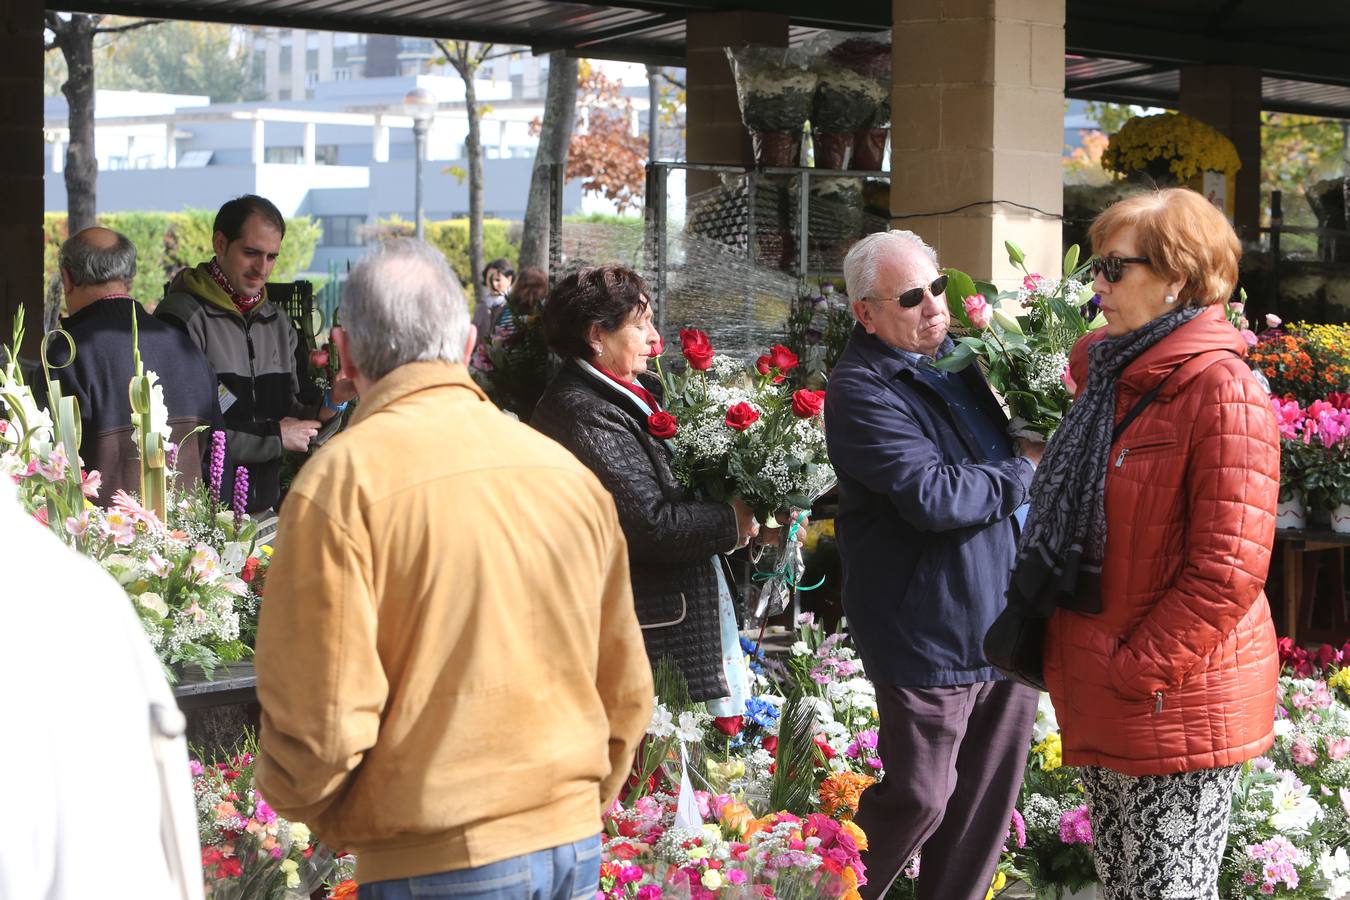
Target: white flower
<point>1283,728</point>
<point>154,602</point>
<point>688,730</point>
<point>662,725</point>
<point>299,833</point>
<point>800,649</point>
<point>1335,870</point>
<point>1295,810</point>
<point>1045,719</point>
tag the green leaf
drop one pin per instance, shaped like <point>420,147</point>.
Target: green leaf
<point>1070,261</point>
<point>958,359</point>
<point>793,778</point>
<point>959,287</point>
<point>1007,322</point>
<point>990,292</point>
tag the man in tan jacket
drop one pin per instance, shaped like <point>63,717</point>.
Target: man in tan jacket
<point>451,672</point>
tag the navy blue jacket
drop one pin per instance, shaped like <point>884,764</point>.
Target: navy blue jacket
<point>925,525</point>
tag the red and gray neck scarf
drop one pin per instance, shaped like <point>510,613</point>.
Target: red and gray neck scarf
<point>245,305</point>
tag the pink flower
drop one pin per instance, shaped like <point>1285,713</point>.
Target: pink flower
<point>90,482</point>
<point>78,525</point>
<point>1249,336</point>
<point>1075,826</point>
<point>1273,321</point>
<point>1031,282</point>
<point>978,311</point>
<point>1338,749</point>
<point>1067,378</point>
<point>1303,753</point>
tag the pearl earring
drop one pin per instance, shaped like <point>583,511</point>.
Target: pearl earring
<point>1169,299</point>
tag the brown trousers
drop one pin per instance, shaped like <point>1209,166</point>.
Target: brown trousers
<point>954,760</point>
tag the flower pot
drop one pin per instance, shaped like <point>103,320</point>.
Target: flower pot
<point>833,149</point>
<point>777,148</point>
<point>1290,513</point>
<point>869,148</point>
<point>1340,519</point>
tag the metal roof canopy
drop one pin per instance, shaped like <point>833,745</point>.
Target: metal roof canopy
<point>1119,51</point>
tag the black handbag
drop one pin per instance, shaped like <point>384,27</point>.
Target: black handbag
<point>1015,643</point>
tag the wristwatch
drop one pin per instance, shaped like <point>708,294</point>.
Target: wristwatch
<point>328,403</point>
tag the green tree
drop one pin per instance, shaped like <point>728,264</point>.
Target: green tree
<point>202,58</point>
<point>1296,152</point>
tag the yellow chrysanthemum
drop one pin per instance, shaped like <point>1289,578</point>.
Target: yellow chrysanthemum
<point>1187,145</point>
<point>1051,751</point>
<point>1340,680</point>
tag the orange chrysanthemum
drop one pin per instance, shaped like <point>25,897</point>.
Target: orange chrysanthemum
<point>841,792</point>
<point>345,890</point>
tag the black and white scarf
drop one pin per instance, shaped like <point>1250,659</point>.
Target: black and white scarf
<point>1059,557</point>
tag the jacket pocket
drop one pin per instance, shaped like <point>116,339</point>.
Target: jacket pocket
<point>663,619</point>
<point>1146,447</point>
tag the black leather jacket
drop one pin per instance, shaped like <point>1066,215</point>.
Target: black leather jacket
<point>672,538</point>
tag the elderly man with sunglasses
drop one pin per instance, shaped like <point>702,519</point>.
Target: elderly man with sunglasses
<point>930,485</point>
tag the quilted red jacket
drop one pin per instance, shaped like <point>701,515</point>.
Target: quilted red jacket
<point>1178,672</point>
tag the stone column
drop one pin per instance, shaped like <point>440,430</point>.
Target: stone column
<point>978,115</point>
<point>299,62</point>
<point>21,165</point>
<point>259,142</point>
<point>1229,98</point>
<point>714,133</point>
<point>311,134</point>
<point>379,141</point>
<point>170,145</point>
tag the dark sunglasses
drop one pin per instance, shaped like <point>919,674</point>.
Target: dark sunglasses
<point>914,296</point>
<point>1112,267</point>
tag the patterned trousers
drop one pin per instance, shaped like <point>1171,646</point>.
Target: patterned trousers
<point>1159,837</point>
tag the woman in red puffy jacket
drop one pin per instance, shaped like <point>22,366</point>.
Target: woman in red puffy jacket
<point>1153,515</point>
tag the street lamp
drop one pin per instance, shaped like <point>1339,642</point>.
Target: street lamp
<point>421,104</point>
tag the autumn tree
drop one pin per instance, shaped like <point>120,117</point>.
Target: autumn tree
<point>467,57</point>
<point>554,130</point>
<point>605,152</point>
<point>74,34</point>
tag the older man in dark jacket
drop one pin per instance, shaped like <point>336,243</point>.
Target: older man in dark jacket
<point>929,487</point>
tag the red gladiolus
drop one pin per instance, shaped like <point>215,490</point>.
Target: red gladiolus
<point>662,425</point>
<point>729,725</point>
<point>1327,655</point>
<point>806,404</point>
<point>250,569</point>
<point>741,416</point>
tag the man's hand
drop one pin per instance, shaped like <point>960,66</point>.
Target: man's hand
<point>296,433</point>
<point>746,526</point>
<point>1032,450</point>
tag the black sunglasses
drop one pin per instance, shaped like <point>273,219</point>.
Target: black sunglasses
<point>914,296</point>
<point>1114,266</point>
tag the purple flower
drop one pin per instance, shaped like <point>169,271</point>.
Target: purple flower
<point>240,498</point>
<point>264,813</point>
<point>171,455</point>
<point>1019,829</point>
<point>217,470</point>
<point>1075,826</point>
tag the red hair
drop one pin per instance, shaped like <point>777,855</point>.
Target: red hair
<point>1184,236</point>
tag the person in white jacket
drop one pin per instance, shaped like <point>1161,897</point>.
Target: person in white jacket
<point>94,759</point>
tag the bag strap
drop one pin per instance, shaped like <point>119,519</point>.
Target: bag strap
<point>1152,393</point>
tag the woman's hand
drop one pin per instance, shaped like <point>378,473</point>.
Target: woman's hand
<point>746,526</point>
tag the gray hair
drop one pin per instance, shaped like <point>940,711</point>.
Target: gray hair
<point>404,304</point>
<point>89,264</point>
<point>860,265</point>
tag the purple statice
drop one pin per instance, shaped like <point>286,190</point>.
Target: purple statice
<point>1075,826</point>
<point>240,495</point>
<point>217,470</point>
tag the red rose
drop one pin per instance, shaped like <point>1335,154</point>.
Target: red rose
<point>318,358</point>
<point>770,745</point>
<point>250,569</point>
<point>806,404</point>
<point>781,358</point>
<point>741,416</point>
<point>662,425</point>
<point>729,725</point>
<point>697,349</point>
<point>825,749</point>
<point>659,348</point>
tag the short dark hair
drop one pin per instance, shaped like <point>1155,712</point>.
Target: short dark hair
<point>501,264</point>
<point>601,295</point>
<point>232,216</point>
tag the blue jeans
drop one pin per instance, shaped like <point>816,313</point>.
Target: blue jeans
<point>568,872</point>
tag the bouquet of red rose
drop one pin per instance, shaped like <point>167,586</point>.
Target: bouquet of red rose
<point>741,430</point>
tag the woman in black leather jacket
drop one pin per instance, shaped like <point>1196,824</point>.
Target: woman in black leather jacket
<point>600,406</point>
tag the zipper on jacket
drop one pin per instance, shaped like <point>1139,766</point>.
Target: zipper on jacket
<point>1120,460</point>
<point>252,376</point>
<point>1158,704</point>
